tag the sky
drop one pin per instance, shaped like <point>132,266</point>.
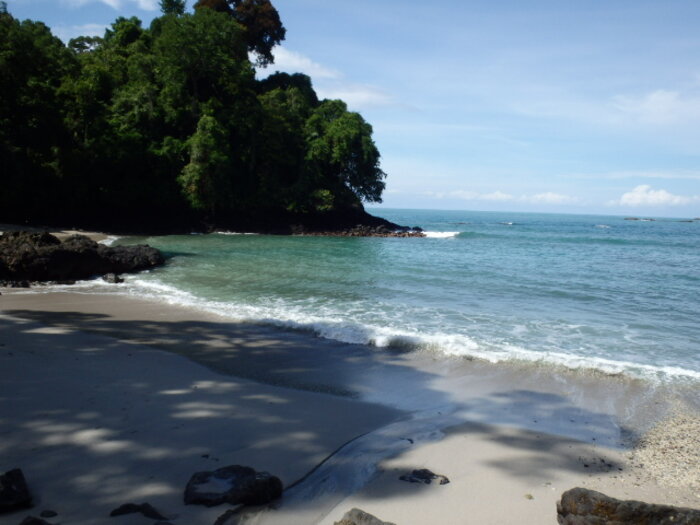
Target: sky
<point>545,105</point>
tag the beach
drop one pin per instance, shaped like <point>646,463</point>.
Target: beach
<point>109,399</point>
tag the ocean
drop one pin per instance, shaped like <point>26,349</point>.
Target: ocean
<point>581,292</point>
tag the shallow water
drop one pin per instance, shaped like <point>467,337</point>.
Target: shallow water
<point>580,291</point>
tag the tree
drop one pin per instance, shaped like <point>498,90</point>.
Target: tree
<point>205,179</point>
<point>172,7</point>
<point>264,29</point>
<point>341,154</point>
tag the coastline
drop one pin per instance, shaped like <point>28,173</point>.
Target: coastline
<point>508,433</point>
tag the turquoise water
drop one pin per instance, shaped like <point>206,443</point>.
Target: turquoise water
<point>580,291</point>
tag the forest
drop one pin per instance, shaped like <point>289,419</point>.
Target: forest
<point>166,128</point>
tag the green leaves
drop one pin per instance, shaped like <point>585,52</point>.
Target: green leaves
<point>341,151</point>
<point>167,124</point>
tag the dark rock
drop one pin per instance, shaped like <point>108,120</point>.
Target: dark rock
<point>14,493</point>
<point>28,256</point>
<point>360,517</point>
<point>234,484</point>
<point>587,507</point>
<point>112,278</point>
<point>145,508</point>
<point>424,476</point>
<point>31,520</point>
<point>48,513</point>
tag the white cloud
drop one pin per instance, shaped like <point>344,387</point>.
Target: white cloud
<point>329,83</point>
<point>357,96</point>
<point>65,33</point>
<point>499,196</point>
<point>660,107</point>
<point>293,62</point>
<point>146,5</point>
<point>644,195</point>
<point>549,197</point>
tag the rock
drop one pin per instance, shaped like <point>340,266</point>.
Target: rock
<point>31,520</point>
<point>26,256</point>
<point>14,493</point>
<point>112,278</point>
<point>581,506</point>
<point>48,514</point>
<point>424,476</point>
<point>360,517</point>
<point>234,484</point>
<point>145,508</point>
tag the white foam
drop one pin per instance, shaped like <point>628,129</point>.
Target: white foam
<point>235,233</point>
<point>441,235</point>
<point>111,239</point>
<point>602,226</point>
<point>331,325</point>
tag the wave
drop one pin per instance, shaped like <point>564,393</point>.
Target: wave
<point>390,338</point>
<point>234,233</point>
<point>441,235</point>
<point>109,240</point>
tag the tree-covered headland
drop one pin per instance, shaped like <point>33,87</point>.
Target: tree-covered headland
<point>166,128</point>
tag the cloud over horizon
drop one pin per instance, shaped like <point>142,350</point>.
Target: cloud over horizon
<point>644,195</point>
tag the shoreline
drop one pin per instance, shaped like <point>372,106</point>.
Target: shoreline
<point>528,415</point>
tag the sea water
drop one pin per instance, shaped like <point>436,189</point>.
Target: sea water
<point>584,292</point>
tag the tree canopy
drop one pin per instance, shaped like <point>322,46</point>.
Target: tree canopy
<point>168,125</point>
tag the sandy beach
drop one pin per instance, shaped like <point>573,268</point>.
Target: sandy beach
<point>107,399</point>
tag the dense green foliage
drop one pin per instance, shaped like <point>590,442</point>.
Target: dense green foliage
<point>168,125</point>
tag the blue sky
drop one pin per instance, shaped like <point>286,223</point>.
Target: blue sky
<point>552,106</point>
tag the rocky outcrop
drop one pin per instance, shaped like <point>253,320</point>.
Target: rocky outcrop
<point>368,231</point>
<point>587,507</point>
<point>424,476</point>
<point>234,484</point>
<point>360,517</point>
<point>14,493</point>
<point>26,256</point>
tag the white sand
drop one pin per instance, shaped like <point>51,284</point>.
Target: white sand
<point>97,415</point>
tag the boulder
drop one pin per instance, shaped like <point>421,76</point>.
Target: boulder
<point>360,517</point>
<point>146,509</point>
<point>234,484</point>
<point>581,506</point>
<point>26,256</point>
<point>14,493</point>
<point>424,476</point>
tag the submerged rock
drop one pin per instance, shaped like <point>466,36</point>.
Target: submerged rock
<point>14,493</point>
<point>234,484</point>
<point>360,517</point>
<point>26,256</point>
<point>581,506</point>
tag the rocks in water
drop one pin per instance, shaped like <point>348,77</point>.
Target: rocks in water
<point>234,484</point>
<point>26,256</point>
<point>112,278</point>
<point>144,508</point>
<point>424,476</point>
<point>14,493</point>
<point>360,517</point>
<point>365,231</point>
<point>581,506</point>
